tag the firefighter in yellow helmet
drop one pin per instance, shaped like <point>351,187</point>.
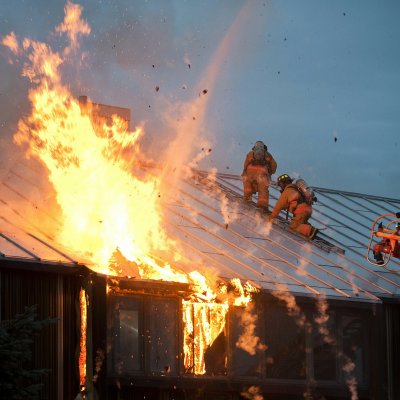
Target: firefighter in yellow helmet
<point>292,199</point>
<point>258,167</point>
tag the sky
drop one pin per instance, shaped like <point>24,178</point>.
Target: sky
<point>317,80</point>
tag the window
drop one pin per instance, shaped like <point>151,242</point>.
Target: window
<point>205,343</point>
<point>285,356</point>
<point>333,351</point>
<point>353,332</point>
<point>162,336</point>
<point>126,335</point>
<point>325,350</point>
<point>243,363</point>
<point>143,335</point>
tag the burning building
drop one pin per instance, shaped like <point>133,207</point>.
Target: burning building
<point>242,310</point>
<point>164,285</point>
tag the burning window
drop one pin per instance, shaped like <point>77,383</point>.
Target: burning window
<point>152,331</point>
<point>205,338</point>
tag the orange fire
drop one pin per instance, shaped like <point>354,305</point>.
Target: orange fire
<point>82,343</point>
<point>106,208</point>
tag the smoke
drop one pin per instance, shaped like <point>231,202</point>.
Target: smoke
<point>99,359</point>
<point>228,210</point>
<point>351,381</point>
<point>190,134</point>
<point>283,294</point>
<point>183,139</point>
<point>322,319</point>
<point>352,385</point>
<point>248,341</point>
<point>188,145</point>
<point>303,264</point>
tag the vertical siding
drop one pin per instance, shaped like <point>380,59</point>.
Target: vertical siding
<point>392,314</point>
<point>71,337</point>
<point>54,296</point>
<point>24,288</point>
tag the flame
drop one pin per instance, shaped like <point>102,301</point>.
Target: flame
<point>82,342</point>
<point>73,26</point>
<point>203,322</point>
<point>110,212</point>
<point>248,341</point>
<point>104,206</point>
<point>11,42</point>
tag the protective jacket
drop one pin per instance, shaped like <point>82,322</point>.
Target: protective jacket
<point>268,165</point>
<point>257,177</point>
<point>292,200</point>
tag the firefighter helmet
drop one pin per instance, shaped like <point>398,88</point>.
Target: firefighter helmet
<point>284,180</point>
<point>260,144</point>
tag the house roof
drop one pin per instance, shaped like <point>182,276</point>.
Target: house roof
<point>213,220</point>
<point>218,231</point>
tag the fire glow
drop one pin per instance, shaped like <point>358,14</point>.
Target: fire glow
<point>105,207</point>
<point>82,343</point>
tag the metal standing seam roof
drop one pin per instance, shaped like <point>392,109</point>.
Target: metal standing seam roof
<point>211,219</point>
<point>217,231</point>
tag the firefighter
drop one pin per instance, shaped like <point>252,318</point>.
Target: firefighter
<point>292,200</point>
<point>258,167</point>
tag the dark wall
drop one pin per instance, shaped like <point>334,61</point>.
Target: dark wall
<point>55,346</point>
<point>392,317</point>
<point>323,359</point>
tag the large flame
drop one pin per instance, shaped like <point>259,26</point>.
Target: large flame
<point>110,214</point>
<point>104,206</point>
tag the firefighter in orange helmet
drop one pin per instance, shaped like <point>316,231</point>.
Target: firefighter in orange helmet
<point>292,199</point>
<point>258,167</point>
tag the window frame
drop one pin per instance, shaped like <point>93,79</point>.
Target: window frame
<point>144,322</point>
<point>339,312</point>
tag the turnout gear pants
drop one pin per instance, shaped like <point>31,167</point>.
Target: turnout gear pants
<point>299,221</point>
<point>255,180</point>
